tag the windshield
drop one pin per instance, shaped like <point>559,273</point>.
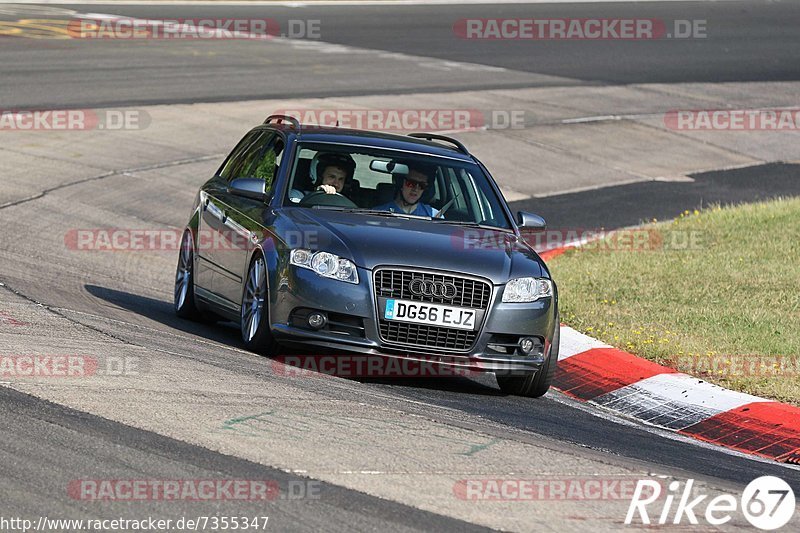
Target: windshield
<point>368,179</point>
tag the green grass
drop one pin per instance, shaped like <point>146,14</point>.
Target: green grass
<point>726,308</point>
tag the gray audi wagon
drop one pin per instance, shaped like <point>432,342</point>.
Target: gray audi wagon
<point>357,241</point>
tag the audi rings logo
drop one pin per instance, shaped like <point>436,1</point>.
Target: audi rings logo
<point>438,289</point>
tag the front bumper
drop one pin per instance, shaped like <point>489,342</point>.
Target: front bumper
<point>303,289</point>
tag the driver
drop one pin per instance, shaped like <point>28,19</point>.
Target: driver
<point>334,171</point>
<point>331,172</point>
<point>410,191</point>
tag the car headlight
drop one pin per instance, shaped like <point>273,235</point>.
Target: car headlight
<point>527,290</point>
<point>325,264</point>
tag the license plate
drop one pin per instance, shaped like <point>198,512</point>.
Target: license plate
<point>430,314</point>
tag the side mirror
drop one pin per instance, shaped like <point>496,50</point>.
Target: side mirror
<point>531,221</point>
<point>249,188</point>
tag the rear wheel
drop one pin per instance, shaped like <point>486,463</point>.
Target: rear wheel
<point>185,306</point>
<point>255,311</point>
<point>535,385</point>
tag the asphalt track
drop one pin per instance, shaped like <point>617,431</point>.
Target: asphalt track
<point>41,431</point>
<point>628,205</point>
<point>746,41</point>
<point>754,41</point>
<point>553,418</point>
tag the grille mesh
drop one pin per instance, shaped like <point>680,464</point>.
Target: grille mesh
<point>473,294</point>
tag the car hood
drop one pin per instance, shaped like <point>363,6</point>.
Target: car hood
<point>372,241</point>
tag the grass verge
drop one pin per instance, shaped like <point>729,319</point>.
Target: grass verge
<point>715,294</point>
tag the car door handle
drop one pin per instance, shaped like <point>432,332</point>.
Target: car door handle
<point>216,211</point>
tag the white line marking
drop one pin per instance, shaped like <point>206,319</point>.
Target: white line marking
<point>636,116</point>
<point>689,390</point>
<point>616,417</point>
<point>573,343</point>
<point>601,118</point>
<point>319,46</point>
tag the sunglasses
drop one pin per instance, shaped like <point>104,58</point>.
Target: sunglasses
<point>414,184</point>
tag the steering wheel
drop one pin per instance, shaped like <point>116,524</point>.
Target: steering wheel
<point>323,198</point>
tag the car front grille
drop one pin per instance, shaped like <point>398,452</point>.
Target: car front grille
<point>427,336</point>
<point>393,283</point>
<point>472,293</point>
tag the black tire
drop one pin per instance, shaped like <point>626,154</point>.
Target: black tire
<point>535,385</point>
<point>254,320</point>
<point>184,302</point>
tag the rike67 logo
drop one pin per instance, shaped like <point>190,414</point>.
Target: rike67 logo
<point>768,503</point>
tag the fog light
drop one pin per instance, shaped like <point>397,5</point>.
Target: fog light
<point>526,345</point>
<point>317,320</point>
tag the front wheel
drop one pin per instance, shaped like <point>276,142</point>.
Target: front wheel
<point>185,306</point>
<point>255,311</point>
<point>535,385</point>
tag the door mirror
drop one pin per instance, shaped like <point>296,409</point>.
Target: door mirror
<point>531,221</point>
<point>249,188</point>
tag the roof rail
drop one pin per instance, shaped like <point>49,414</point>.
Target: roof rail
<point>282,119</point>
<point>433,136</point>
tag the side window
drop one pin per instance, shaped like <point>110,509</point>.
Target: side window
<point>235,159</point>
<point>438,196</point>
<point>462,206</point>
<point>484,207</point>
<point>252,156</point>
<point>456,190</point>
<point>258,156</point>
<point>470,200</point>
<point>266,163</point>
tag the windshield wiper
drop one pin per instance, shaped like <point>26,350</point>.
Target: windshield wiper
<point>470,224</point>
<point>382,213</point>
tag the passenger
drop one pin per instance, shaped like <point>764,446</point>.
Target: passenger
<point>410,191</point>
